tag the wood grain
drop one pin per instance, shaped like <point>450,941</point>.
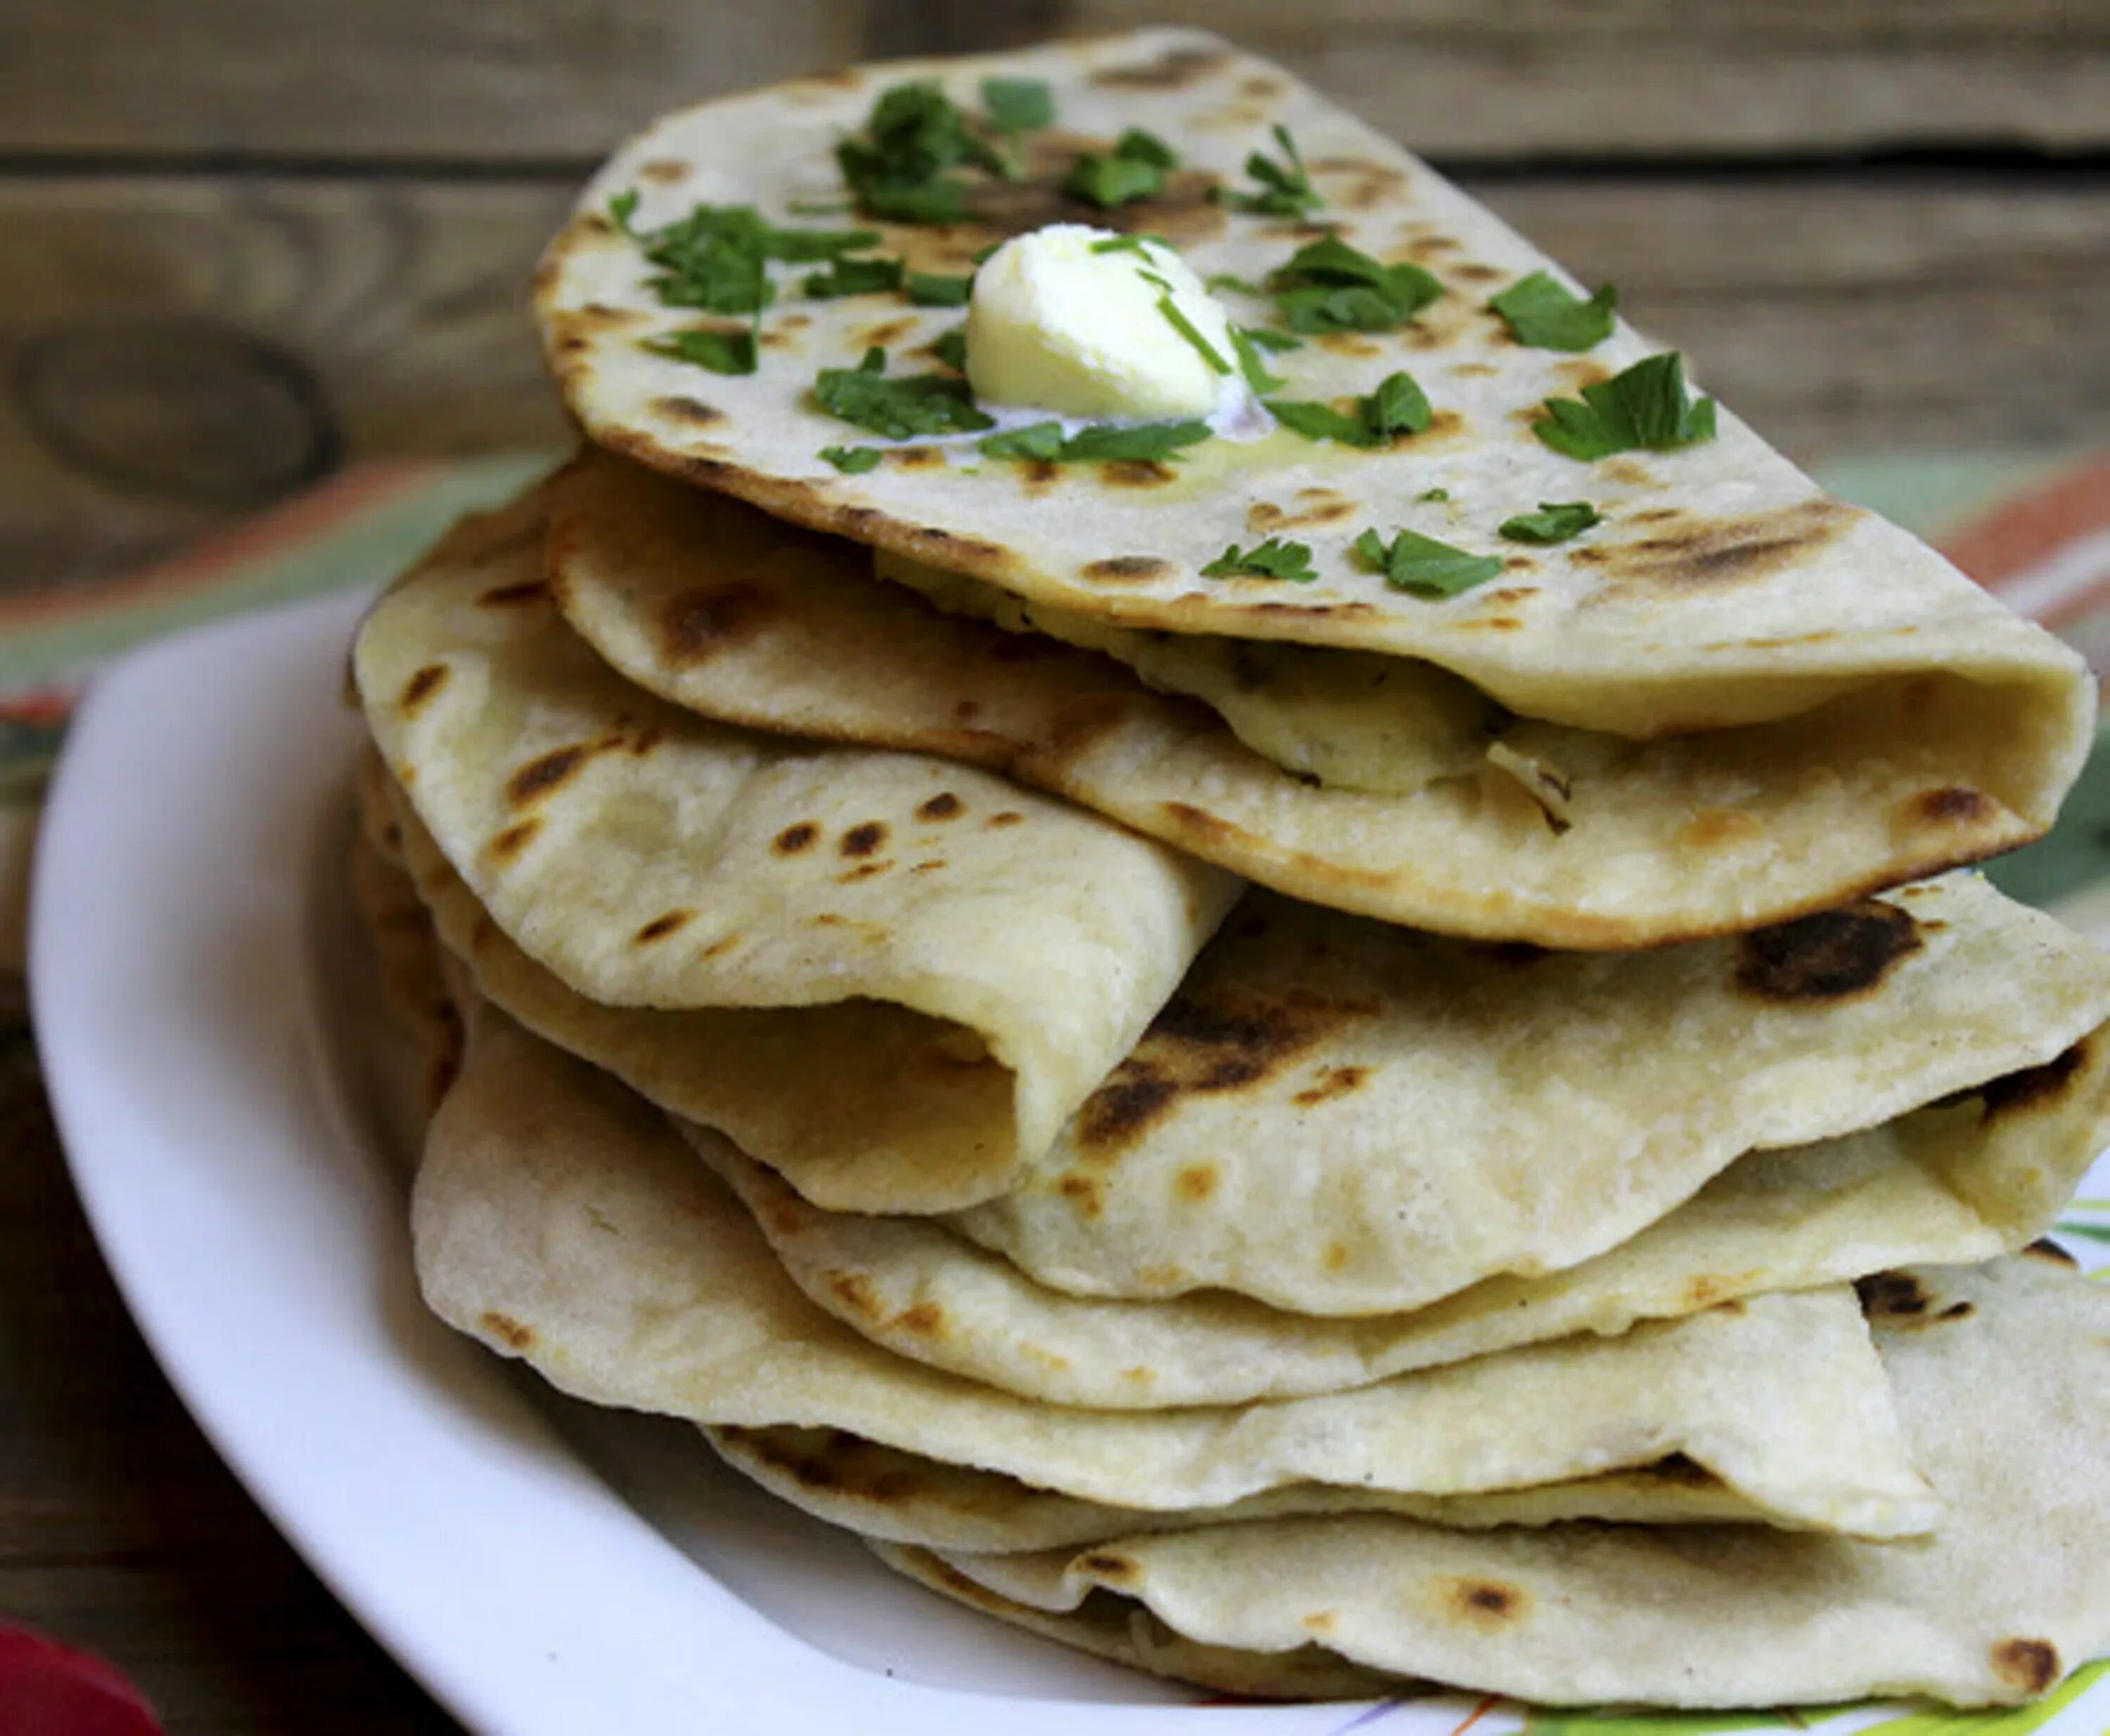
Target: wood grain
<point>120,1531</point>
<point>450,80</point>
<point>236,330</point>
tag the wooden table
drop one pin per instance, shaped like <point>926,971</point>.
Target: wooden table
<point>246,240</point>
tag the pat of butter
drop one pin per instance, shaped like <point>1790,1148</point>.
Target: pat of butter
<point>1053,324</point>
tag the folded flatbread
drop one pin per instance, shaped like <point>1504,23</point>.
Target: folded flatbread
<point>1734,700</point>
<point>557,1218</point>
<point>913,933</point>
<point>2002,1374</point>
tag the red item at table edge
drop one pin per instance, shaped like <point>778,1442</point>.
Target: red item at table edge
<point>48,1690</point>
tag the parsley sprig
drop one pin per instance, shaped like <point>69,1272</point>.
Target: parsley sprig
<point>1398,406</point>
<point>1134,169</point>
<point>899,166</point>
<point>1423,566</point>
<point>1273,558</point>
<point>1046,442</point>
<point>1643,409</point>
<point>1282,189</point>
<point>1556,521</point>
<point>1328,286</point>
<point>854,277</point>
<point>854,460</point>
<point>721,350</point>
<point>717,258</point>
<point>900,409</point>
<point>1548,315</point>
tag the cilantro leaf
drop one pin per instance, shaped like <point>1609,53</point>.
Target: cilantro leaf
<point>1018,105</point>
<point>854,277</point>
<point>1106,181</point>
<point>1423,565</point>
<point>1433,494</point>
<point>717,257</point>
<point>1250,365</point>
<point>622,207</point>
<point>1231,280</point>
<point>1644,408</point>
<point>721,351</point>
<point>1328,286</point>
<point>1273,341</point>
<point>1543,313</point>
<point>801,246</point>
<point>853,461</point>
<point>1139,245</point>
<point>1273,558</point>
<point>951,347</point>
<point>938,290</point>
<point>1398,406</point>
<point>900,409</point>
<point>1556,521</point>
<point>1045,441</point>
<point>1136,146</point>
<point>1192,332</point>
<point>1285,190</point>
<point>897,167</point>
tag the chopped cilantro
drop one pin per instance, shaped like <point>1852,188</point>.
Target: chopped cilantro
<point>1421,564</point>
<point>900,409</point>
<point>1230,280</point>
<point>1328,286</point>
<point>951,347</point>
<point>1045,441</point>
<point>1284,189</point>
<point>1107,181</point>
<point>854,277</point>
<point>1556,521</point>
<point>1433,494</point>
<point>1137,146</point>
<point>853,461</point>
<point>1398,407</point>
<point>1139,245</point>
<point>938,290</point>
<point>717,257</point>
<point>801,246</point>
<point>981,254</point>
<point>1543,313</point>
<point>1644,408</point>
<point>1273,558</point>
<point>897,167</point>
<point>1250,365</point>
<point>720,350</point>
<point>623,207</point>
<point>1273,341</point>
<point>1018,106</point>
<point>1188,329</point>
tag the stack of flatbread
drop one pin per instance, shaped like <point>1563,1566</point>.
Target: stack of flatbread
<point>1300,1134</point>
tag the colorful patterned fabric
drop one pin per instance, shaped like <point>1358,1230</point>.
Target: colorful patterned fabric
<point>2034,528</point>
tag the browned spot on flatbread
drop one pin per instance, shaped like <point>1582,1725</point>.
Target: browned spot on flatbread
<point>925,1319</point>
<point>1470,370</point>
<point>506,1329</point>
<point>2035,1087</point>
<point>1009,817</point>
<point>665,171</point>
<point>2031,1664</point>
<point>1335,1081</point>
<point>1703,553</point>
<point>862,870</point>
<point>1184,210</point>
<point>1719,829</point>
<point>1831,956</point>
<point>1579,371</point>
<point>1891,1296</point>
<point>887,333</point>
<point>548,772</point>
<point>1209,1041</point>
<point>678,407</point>
<point>1124,568</point>
<point>513,596</point>
<point>1196,1182</point>
<point>515,838</point>
<point>1175,69</point>
<point>916,458</point>
<point>1265,516</point>
<point>942,806</point>
<point>2044,1248</point>
<point>794,839</point>
<point>1136,473</point>
<point>1631,471</point>
<point>862,839</point>
<point>1322,1621</point>
<point>1426,247</point>
<point>1083,1192</point>
<point>696,622</point>
<point>660,926</point>
<point>1955,805</point>
<point>1105,1564</point>
<point>720,947</point>
<point>854,1291</point>
<point>1657,514</point>
<point>1353,344</point>
<point>1473,272</point>
<point>422,686</point>
<point>1485,1604</point>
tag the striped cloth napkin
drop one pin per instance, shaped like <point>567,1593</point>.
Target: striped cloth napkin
<point>2036,528</point>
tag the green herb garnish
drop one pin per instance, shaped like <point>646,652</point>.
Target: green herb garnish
<point>717,257</point>
<point>1328,286</point>
<point>938,290</point>
<point>1136,146</point>
<point>1230,280</point>
<point>1188,329</point>
<point>1398,407</point>
<point>900,409</point>
<point>897,168</point>
<point>1139,245</point>
<point>1285,190</point>
<point>1250,365</point>
<point>1273,341</point>
<point>1107,181</point>
<point>1421,564</point>
<point>1018,106</point>
<point>1545,314</point>
<point>623,207</point>
<point>853,461</point>
<point>951,347</point>
<point>1045,441</point>
<point>1556,521</point>
<point>854,277</point>
<point>1645,408</point>
<point>721,351</point>
<point>1273,558</point>
<point>1433,494</point>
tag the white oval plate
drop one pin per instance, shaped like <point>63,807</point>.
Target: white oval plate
<point>539,1566</point>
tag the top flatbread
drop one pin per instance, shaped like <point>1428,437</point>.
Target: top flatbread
<point>1724,590</point>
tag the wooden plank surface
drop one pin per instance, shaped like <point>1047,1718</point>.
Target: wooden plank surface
<point>440,80</point>
<point>182,348</point>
